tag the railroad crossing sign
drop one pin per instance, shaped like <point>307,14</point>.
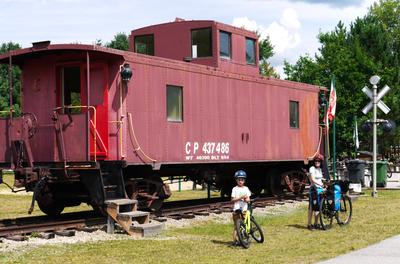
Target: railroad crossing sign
<point>379,96</point>
<point>375,102</point>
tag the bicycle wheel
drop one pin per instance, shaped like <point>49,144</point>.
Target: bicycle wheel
<point>256,231</point>
<point>343,216</point>
<point>326,213</point>
<point>243,236</point>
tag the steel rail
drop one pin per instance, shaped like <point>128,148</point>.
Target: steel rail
<point>28,225</point>
<point>217,204</point>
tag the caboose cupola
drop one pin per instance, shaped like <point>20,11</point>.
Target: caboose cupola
<point>204,42</point>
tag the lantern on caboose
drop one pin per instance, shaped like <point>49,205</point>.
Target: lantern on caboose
<point>126,72</point>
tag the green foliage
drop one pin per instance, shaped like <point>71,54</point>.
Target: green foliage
<point>5,82</point>
<point>370,46</point>
<point>120,41</point>
<point>266,51</point>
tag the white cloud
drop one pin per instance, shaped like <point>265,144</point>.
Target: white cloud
<point>281,37</point>
<point>284,34</point>
<point>245,22</point>
<point>289,19</point>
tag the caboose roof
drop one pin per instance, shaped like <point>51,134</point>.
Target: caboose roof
<point>18,56</point>
<point>200,24</point>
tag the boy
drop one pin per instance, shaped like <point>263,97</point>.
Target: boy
<point>240,197</point>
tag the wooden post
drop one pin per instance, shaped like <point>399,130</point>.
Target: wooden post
<point>110,225</point>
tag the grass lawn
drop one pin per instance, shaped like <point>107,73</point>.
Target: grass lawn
<point>287,240</point>
<point>191,194</point>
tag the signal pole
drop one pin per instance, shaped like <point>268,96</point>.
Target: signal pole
<point>375,102</point>
<point>374,81</point>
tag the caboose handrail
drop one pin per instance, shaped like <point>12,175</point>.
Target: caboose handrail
<point>6,111</point>
<point>89,107</point>
<point>319,144</point>
<point>134,139</point>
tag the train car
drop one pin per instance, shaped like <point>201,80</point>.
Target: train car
<point>186,99</point>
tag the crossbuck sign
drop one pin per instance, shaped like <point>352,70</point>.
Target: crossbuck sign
<point>379,96</point>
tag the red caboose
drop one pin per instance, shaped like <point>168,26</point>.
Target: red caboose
<point>187,99</point>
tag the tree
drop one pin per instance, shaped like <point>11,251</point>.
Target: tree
<point>266,51</point>
<point>5,82</point>
<point>120,41</point>
<point>369,46</point>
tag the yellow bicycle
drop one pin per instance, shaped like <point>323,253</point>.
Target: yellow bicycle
<point>247,226</point>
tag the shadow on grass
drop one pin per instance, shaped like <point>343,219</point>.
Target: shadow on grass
<point>298,226</point>
<point>224,243</point>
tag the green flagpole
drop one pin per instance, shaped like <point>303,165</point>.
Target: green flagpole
<point>355,136</point>
<point>334,136</point>
<point>334,149</point>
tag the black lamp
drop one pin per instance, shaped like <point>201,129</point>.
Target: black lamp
<point>126,72</point>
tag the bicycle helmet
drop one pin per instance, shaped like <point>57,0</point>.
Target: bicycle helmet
<point>318,157</point>
<point>240,174</point>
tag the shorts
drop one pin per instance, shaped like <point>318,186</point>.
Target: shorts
<point>315,197</point>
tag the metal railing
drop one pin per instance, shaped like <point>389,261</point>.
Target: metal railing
<point>90,107</point>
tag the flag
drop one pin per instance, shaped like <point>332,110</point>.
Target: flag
<point>355,134</point>
<point>332,102</point>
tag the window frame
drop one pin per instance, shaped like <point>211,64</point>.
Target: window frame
<point>230,44</point>
<point>254,51</point>
<point>145,35</point>
<point>64,90</point>
<point>297,117</point>
<point>169,119</point>
<point>211,44</point>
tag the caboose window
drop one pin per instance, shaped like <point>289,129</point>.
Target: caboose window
<point>201,43</point>
<point>294,114</point>
<point>250,51</point>
<point>71,88</point>
<point>225,44</point>
<point>144,44</point>
<point>174,103</point>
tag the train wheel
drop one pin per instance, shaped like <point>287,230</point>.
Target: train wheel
<point>149,192</point>
<point>49,205</point>
<point>295,181</point>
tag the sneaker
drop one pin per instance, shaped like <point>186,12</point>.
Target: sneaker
<point>317,226</point>
<point>235,243</point>
<point>311,227</point>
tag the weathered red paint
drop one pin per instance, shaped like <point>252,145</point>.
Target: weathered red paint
<point>223,102</point>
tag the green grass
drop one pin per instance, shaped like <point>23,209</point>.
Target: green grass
<point>287,240</point>
<point>191,194</point>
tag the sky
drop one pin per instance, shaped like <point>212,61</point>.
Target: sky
<point>292,25</point>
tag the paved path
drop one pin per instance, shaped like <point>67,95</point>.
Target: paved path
<point>384,252</point>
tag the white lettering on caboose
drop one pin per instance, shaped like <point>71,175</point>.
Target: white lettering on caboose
<point>208,151</point>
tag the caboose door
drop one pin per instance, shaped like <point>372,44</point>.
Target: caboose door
<point>73,97</point>
<point>98,98</point>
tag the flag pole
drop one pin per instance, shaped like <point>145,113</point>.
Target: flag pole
<point>355,136</point>
<point>334,137</point>
<point>334,148</point>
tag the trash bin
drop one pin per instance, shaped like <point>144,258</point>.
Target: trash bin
<point>381,173</point>
<point>356,169</point>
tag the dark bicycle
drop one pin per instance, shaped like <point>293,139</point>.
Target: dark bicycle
<point>247,226</point>
<point>335,203</point>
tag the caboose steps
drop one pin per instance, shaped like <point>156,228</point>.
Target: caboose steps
<point>141,216</point>
<point>118,202</point>
<point>149,229</point>
<point>135,223</point>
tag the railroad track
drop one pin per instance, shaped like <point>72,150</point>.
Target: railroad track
<point>81,220</point>
<point>28,225</point>
<point>183,209</point>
